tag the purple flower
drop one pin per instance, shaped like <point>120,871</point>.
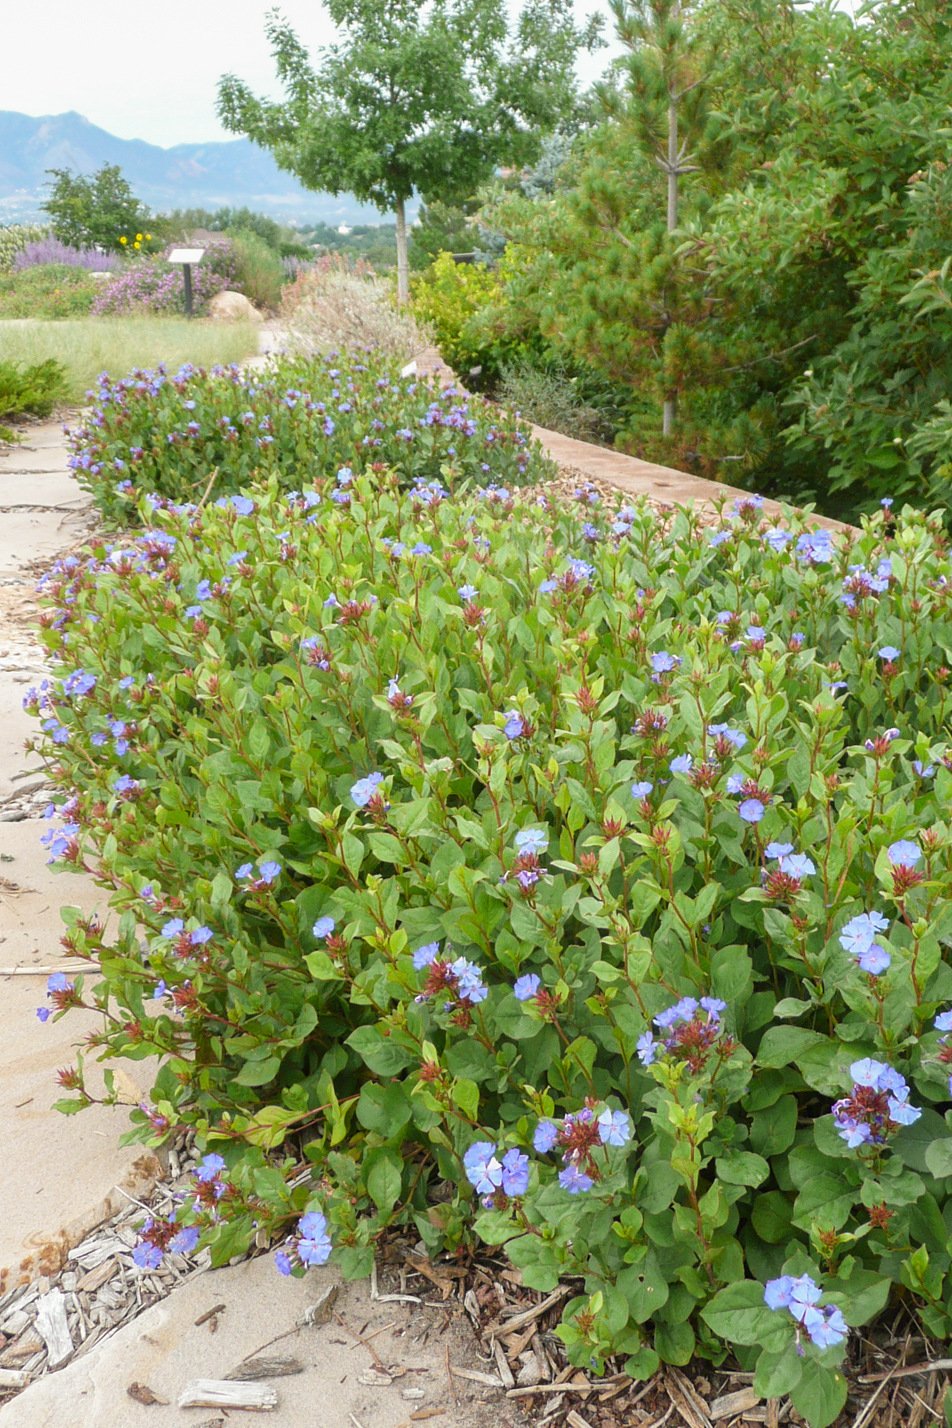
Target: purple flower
<point>186,1240</point>
<point>467,592</point>
<point>313,1243</point>
<point>323,927</point>
<point>545,1135</point>
<point>663,663</point>
<point>614,1127</point>
<point>826,1326</point>
<point>525,988</point>
<point>515,725</point>
<point>681,764</point>
<point>469,980</point>
<point>173,927</point>
<point>483,1170</point>
<point>282,1262</point>
<point>904,853</point>
<point>923,770</point>
<point>752,810</point>
<point>642,789</point>
<point>209,1168</point>
<point>426,954</point>
<point>147,1256</point>
<point>515,1172</point>
<point>365,789</point>
<point>878,1104</point>
<point>943,1021</point>
<point>574,1180</point>
<point>200,936</point>
<point>244,505</point>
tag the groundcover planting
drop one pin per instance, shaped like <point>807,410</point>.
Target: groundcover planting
<point>578,887</point>
<point>191,432</point>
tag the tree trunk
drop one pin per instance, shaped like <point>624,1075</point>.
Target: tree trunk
<point>669,415</point>
<point>403,267</point>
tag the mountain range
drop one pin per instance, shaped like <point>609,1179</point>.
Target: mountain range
<point>234,173</point>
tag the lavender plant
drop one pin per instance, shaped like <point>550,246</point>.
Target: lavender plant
<point>49,249</point>
<point>518,870</point>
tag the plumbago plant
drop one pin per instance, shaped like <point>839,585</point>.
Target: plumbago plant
<point>578,884</point>
<point>179,433</point>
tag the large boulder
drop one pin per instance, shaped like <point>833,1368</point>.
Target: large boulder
<point>232,307</point>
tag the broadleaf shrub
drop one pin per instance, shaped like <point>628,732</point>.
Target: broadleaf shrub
<point>581,887</point>
<point>154,286</point>
<point>171,433</point>
<point>30,389</point>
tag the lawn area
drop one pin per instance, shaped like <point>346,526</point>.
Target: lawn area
<point>116,345</point>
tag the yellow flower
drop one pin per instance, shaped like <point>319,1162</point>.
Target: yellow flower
<point>137,245</point>
<point>148,237</point>
<point>123,240</point>
<point>138,237</point>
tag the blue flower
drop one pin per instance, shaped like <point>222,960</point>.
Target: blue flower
<point>574,1180</point>
<point>943,1021</point>
<point>859,934</point>
<point>890,653</point>
<point>904,853</point>
<point>200,936</point>
<point>778,850</point>
<point>545,1135</point>
<point>469,980</point>
<point>515,725</point>
<point>862,1119</point>
<point>647,1048</point>
<point>282,1262</point>
<point>323,927</point>
<point>532,840</point>
<point>147,1256</point>
<point>825,1326</point>
<point>483,1169</point>
<point>663,663</point>
<point>269,871</point>
<point>642,789</point>
<point>525,988</point>
<point>515,1172</point>
<point>173,927</point>
<point>873,959</point>
<point>313,1245</point>
<point>614,1127</point>
<point>186,1240</point>
<point>365,789</point>
<point>426,954</point>
<point>797,865</point>
<point>923,770</point>
<point>467,592</point>
<point>682,764</point>
<point>733,736</point>
<point>752,810</point>
<point>244,505</point>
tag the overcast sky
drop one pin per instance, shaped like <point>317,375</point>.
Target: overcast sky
<point>150,70</point>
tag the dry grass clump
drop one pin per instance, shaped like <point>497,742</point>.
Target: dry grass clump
<point>335,306</point>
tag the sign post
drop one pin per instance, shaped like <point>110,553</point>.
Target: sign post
<point>186,257</point>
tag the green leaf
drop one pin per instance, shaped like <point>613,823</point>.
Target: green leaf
<point>258,1073</point>
<point>644,1286</point>
<point>739,1315</point>
<point>824,1203</point>
<point>381,1054</point>
<point>778,1370</point>
<point>782,1045</point>
<point>820,1395</point>
<point>384,1176</point>
<point>384,1108</point>
<point>741,1167</point>
<point>771,1217</point>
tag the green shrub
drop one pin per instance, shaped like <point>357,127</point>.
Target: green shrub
<point>304,420</point>
<point>30,390</point>
<point>424,817</point>
<point>54,290</point>
<point>259,272</point>
<point>553,395</point>
<point>447,297</point>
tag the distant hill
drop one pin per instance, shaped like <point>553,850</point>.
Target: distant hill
<point>231,174</point>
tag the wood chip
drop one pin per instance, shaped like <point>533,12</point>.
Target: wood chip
<point>374,1377</point>
<point>574,1419</point>
<point>264,1367</point>
<point>519,1321</point>
<point>685,1398</point>
<point>475,1376</point>
<point>53,1327</point>
<point>142,1393</point>
<point>730,1404</point>
<point>12,1379</point>
<point>502,1364</point>
<point>323,1307</point>
<point>223,1393</point>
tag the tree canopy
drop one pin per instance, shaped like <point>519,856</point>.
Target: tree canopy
<point>414,97</point>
